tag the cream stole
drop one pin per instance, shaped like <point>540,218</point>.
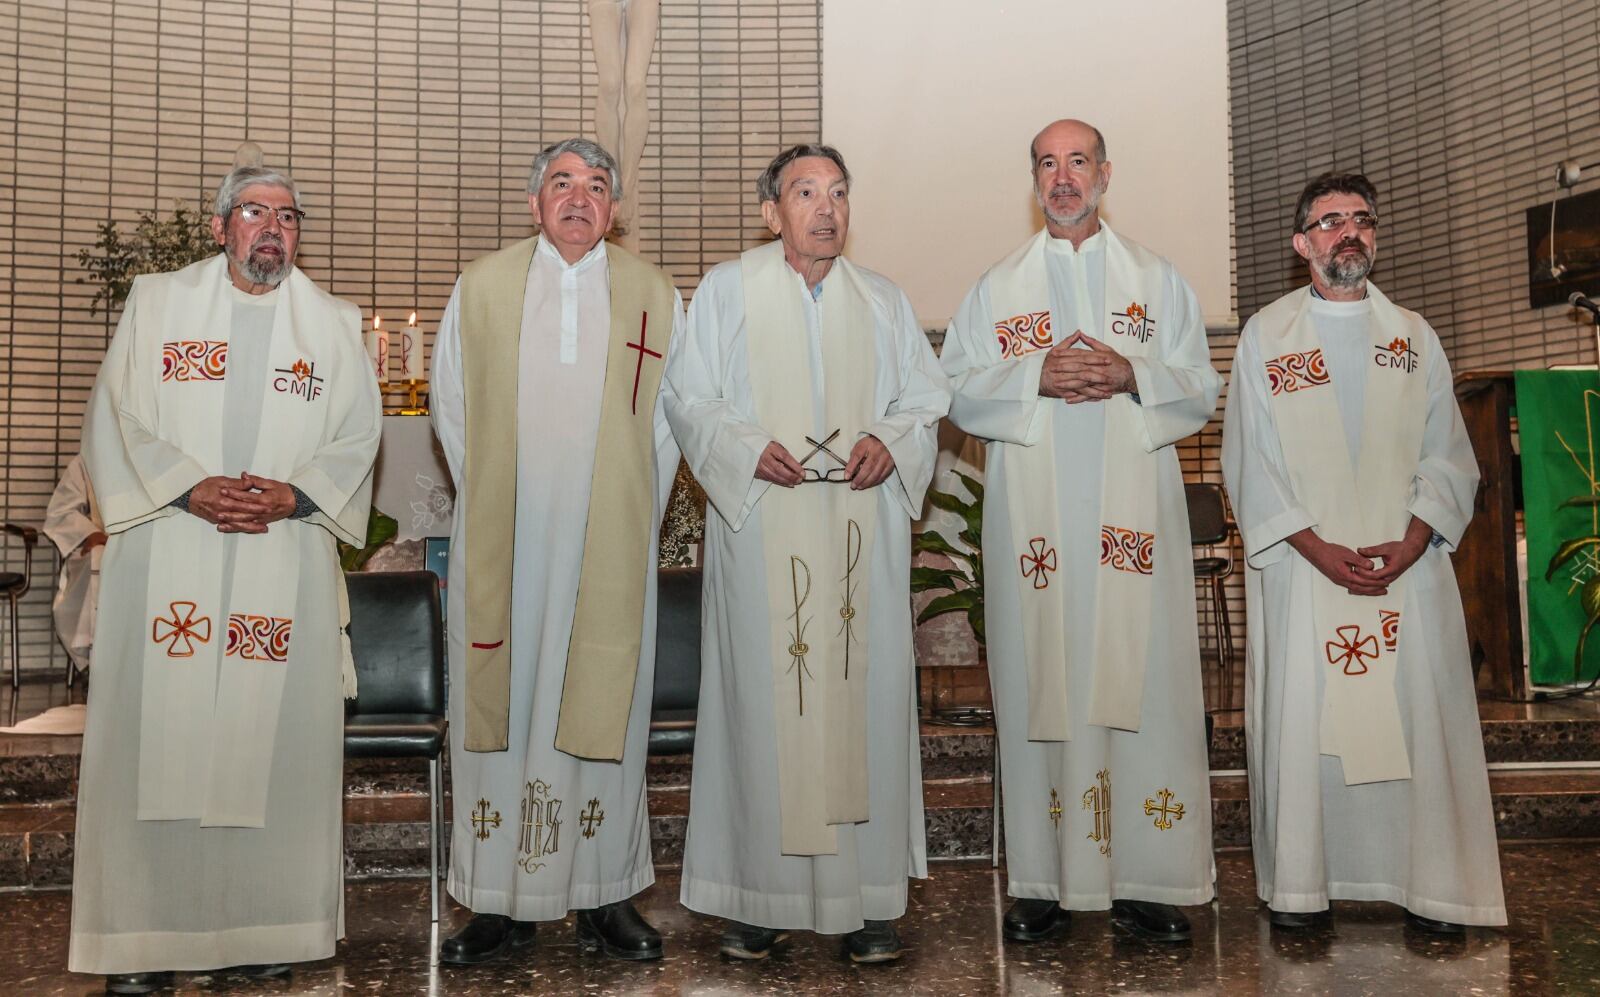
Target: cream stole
<point>817,541</point>
<point>1019,292</point>
<point>1356,639</point>
<point>213,673</point>
<point>607,625</point>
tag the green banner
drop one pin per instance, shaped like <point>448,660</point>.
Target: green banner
<point>1558,415</point>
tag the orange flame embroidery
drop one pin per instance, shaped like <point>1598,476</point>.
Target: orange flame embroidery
<point>1400,347</point>
<point>1135,312</point>
<point>301,369</point>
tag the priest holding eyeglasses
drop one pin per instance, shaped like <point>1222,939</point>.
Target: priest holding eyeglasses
<point>805,398</point>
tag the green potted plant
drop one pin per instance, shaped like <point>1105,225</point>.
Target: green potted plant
<point>157,245</point>
<point>961,585</point>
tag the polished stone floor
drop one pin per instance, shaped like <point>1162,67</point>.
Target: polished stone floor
<point>952,930</point>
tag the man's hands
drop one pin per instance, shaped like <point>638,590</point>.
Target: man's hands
<point>1091,375</point>
<point>1355,571</point>
<point>246,504</point>
<point>868,466</point>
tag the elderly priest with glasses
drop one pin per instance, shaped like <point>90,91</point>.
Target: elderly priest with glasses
<point>1352,478</point>
<point>546,376</point>
<point>806,398</point>
<point>230,438</point>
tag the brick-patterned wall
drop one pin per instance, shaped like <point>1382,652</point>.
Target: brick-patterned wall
<point>409,125</point>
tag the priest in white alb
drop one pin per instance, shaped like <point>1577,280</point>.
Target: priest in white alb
<point>806,398</point>
<point>1081,358</point>
<point>72,522</point>
<point>1352,479</point>
<point>230,438</point>
<point>546,374</point>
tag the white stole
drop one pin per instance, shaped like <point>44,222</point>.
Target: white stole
<point>213,673</point>
<point>1356,639</point>
<point>817,541</point>
<point>1019,291</point>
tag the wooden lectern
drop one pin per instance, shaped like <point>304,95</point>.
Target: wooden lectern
<point>1486,560</point>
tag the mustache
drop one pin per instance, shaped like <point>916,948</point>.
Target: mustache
<point>267,239</point>
<point>1354,244</point>
<point>1065,188</point>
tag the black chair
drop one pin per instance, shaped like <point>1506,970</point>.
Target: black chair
<point>676,698</point>
<point>14,585</point>
<point>397,639</point>
<point>1210,528</point>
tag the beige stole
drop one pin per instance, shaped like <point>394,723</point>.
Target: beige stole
<point>214,673</point>
<point>1356,639</point>
<point>817,540</point>
<point>603,651</point>
<point>1019,291</point>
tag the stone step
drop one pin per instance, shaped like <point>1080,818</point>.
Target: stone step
<point>386,834</point>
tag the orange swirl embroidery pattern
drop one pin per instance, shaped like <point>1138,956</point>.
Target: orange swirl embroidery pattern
<point>1128,550</point>
<point>1025,333</point>
<point>194,360</point>
<point>1294,371</point>
<point>259,638</point>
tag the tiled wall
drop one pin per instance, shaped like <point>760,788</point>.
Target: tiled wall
<point>409,125</point>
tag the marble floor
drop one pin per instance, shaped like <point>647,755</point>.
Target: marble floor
<point>952,930</point>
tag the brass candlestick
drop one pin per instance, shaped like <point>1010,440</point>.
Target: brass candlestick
<point>416,392</point>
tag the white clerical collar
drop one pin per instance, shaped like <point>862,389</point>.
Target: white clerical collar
<point>1336,309</point>
<point>547,249</point>
<point>1089,244</point>
<point>244,297</point>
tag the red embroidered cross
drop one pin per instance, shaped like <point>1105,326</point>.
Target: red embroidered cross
<point>644,320</point>
<point>183,627</point>
<point>1035,565</point>
<point>1351,648</point>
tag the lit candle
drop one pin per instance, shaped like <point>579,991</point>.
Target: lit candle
<point>411,351</point>
<point>378,349</point>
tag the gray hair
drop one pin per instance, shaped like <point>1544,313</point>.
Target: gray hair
<point>767,182</point>
<point>591,153</point>
<point>1099,147</point>
<point>241,177</point>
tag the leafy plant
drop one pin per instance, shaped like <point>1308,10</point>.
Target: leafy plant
<point>1589,596</point>
<point>157,245</point>
<point>380,530</point>
<point>963,589</point>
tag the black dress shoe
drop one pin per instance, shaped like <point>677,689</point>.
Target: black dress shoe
<point>1031,920</point>
<point>1432,927</point>
<point>618,931</point>
<point>874,941</point>
<point>138,983</point>
<point>1297,920</point>
<point>1156,922</point>
<point>263,971</point>
<point>486,938</point>
<point>749,941</point>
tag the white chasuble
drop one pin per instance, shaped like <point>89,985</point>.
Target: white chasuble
<point>1357,638</point>
<point>1024,322</point>
<point>215,724</point>
<point>538,831</point>
<point>1113,801</point>
<point>806,821</point>
<point>818,544</point>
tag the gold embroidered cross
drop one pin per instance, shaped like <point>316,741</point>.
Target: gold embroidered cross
<point>181,632</point>
<point>1055,808</point>
<point>1097,800</point>
<point>591,818</point>
<point>1164,814</point>
<point>1351,648</point>
<point>482,819</point>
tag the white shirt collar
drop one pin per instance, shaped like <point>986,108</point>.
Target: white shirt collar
<point>547,249</point>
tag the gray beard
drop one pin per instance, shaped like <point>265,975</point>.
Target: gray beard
<point>1090,205</point>
<point>1346,272</point>
<point>264,272</point>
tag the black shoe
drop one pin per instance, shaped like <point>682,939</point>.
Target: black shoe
<point>618,931</point>
<point>1432,927</point>
<point>874,941</point>
<point>1031,920</point>
<point>264,971</point>
<point>1156,922</point>
<point>1297,920</point>
<point>486,938</point>
<point>138,983</point>
<point>749,942</point>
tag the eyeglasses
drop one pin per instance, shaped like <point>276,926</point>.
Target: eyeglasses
<point>835,475</point>
<point>1366,221</point>
<point>254,214</point>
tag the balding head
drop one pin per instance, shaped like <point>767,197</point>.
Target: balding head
<point>1076,132</point>
<point>1070,173</point>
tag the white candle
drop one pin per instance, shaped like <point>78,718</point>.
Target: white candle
<point>378,350</point>
<point>411,351</point>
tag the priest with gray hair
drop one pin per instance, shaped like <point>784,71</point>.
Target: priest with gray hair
<point>230,438</point>
<point>547,400</point>
<point>806,398</point>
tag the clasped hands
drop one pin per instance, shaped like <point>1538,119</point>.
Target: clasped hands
<point>868,466</point>
<point>246,504</point>
<point>1357,571</point>
<point>1090,375</point>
